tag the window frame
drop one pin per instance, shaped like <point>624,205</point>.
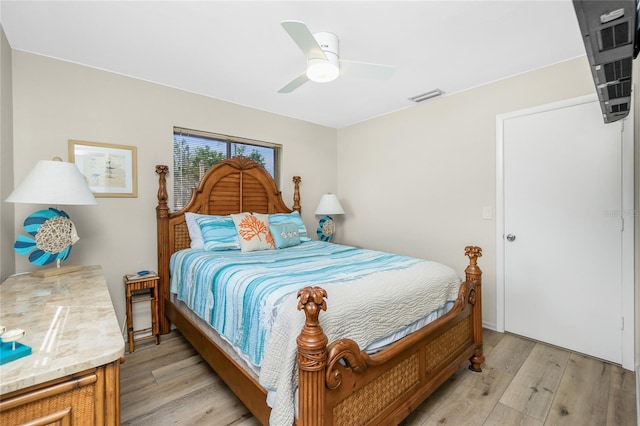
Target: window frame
<point>229,141</point>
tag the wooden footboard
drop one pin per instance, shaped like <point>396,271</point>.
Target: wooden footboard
<point>384,388</point>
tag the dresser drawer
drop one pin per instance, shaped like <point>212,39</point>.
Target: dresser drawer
<point>79,399</point>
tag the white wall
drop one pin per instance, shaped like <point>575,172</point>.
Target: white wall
<point>416,181</point>
<point>55,101</point>
<point>7,258</point>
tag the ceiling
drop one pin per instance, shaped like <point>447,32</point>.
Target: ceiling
<point>237,51</point>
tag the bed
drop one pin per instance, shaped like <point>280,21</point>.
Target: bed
<point>336,382</point>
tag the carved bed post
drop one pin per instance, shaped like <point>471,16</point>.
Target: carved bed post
<point>474,278</point>
<point>162,217</point>
<point>312,358</point>
<point>296,194</point>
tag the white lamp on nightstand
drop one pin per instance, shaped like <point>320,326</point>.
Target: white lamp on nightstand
<point>51,231</point>
<point>329,205</point>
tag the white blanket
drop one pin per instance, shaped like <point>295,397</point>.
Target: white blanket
<point>364,310</point>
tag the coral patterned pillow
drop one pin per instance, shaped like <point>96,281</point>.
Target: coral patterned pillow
<point>253,230</point>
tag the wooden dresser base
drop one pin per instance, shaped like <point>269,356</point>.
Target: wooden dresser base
<point>91,397</point>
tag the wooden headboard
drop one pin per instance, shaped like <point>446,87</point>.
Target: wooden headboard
<point>231,186</point>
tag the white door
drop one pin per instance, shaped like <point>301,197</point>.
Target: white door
<point>562,228</point>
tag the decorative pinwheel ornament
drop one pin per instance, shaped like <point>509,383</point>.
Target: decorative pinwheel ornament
<point>53,233</point>
<point>326,228</point>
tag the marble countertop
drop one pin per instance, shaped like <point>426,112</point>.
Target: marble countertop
<point>70,326</point>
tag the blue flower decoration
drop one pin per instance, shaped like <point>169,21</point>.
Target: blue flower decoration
<point>53,233</point>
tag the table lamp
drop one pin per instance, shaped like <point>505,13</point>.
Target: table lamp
<point>329,205</point>
<point>51,231</point>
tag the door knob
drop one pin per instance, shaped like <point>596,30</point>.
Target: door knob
<point>510,237</point>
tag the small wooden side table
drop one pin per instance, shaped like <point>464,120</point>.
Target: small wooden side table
<point>142,290</point>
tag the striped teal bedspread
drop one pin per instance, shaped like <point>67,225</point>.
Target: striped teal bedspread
<point>239,293</point>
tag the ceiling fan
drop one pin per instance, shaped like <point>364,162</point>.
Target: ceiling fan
<point>323,58</point>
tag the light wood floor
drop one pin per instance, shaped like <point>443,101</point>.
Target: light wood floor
<point>522,383</point>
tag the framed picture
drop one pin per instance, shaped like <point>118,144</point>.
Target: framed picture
<point>110,169</point>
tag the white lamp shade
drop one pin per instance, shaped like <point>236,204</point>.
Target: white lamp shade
<point>329,204</point>
<point>53,182</point>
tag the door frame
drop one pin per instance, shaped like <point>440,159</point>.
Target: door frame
<point>628,280</point>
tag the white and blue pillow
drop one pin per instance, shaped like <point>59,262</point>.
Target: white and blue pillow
<point>218,232</point>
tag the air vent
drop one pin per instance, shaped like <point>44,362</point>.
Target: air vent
<point>616,78</point>
<point>618,70</point>
<point>619,90</point>
<point>429,95</point>
<point>614,36</point>
<point>619,108</point>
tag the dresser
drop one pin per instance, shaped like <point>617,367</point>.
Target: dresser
<point>72,376</point>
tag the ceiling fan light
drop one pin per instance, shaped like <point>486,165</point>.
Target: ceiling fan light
<point>322,71</point>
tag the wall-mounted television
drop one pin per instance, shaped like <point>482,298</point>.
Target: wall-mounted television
<point>609,31</point>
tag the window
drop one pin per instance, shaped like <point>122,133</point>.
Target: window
<point>194,152</point>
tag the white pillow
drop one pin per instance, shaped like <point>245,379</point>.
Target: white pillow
<point>197,242</point>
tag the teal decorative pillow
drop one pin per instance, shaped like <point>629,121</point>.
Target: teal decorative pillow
<point>218,232</point>
<point>285,234</point>
<point>253,231</point>
<point>280,218</point>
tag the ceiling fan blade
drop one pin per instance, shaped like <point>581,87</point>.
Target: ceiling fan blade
<point>295,83</point>
<point>366,70</point>
<point>301,35</point>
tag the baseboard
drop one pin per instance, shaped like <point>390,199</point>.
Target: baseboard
<point>490,326</point>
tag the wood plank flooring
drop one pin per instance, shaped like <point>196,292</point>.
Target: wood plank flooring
<point>522,383</point>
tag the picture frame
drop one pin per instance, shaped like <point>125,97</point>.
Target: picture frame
<point>110,169</point>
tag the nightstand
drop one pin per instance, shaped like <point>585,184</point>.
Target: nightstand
<point>142,290</point>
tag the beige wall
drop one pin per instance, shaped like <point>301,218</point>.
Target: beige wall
<point>416,181</point>
<point>413,182</point>
<point>55,101</point>
<point>7,257</point>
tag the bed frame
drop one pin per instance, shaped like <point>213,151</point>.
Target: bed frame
<point>364,389</point>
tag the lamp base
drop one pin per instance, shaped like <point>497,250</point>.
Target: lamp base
<point>326,228</point>
<point>51,272</point>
